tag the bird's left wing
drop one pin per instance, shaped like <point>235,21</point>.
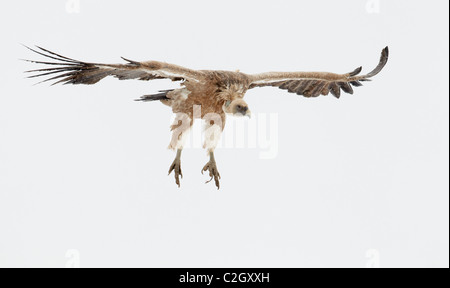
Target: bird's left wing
<point>313,84</point>
<point>69,71</point>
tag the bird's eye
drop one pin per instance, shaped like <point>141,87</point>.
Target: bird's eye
<point>238,106</point>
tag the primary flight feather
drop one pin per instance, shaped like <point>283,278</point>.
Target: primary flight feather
<point>217,93</point>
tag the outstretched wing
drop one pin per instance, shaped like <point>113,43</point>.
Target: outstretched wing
<point>69,71</point>
<point>313,84</point>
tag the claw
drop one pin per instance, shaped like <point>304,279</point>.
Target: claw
<point>176,167</point>
<point>213,173</point>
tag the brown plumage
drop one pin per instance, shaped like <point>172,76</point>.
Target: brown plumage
<point>211,93</point>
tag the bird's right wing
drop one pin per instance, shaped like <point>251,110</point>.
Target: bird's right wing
<point>70,71</point>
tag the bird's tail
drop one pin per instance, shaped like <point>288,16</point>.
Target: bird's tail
<point>162,95</point>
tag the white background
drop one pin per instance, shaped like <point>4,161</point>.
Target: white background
<point>359,181</point>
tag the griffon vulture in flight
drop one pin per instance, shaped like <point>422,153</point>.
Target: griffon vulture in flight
<point>217,93</point>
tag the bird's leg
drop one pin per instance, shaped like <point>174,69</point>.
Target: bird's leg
<point>176,167</point>
<point>180,128</point>
<point>212,168</point>
<point>214,127</point>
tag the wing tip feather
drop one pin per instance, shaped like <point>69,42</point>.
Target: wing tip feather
<point>131,61</point>
<point>355,72</point>
<point>383,60</point>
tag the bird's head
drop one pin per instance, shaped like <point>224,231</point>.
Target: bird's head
<point>237,107</point>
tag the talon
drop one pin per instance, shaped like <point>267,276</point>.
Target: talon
<point>208,180</point>
<point>176,168</point>
<point>213,173</point>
